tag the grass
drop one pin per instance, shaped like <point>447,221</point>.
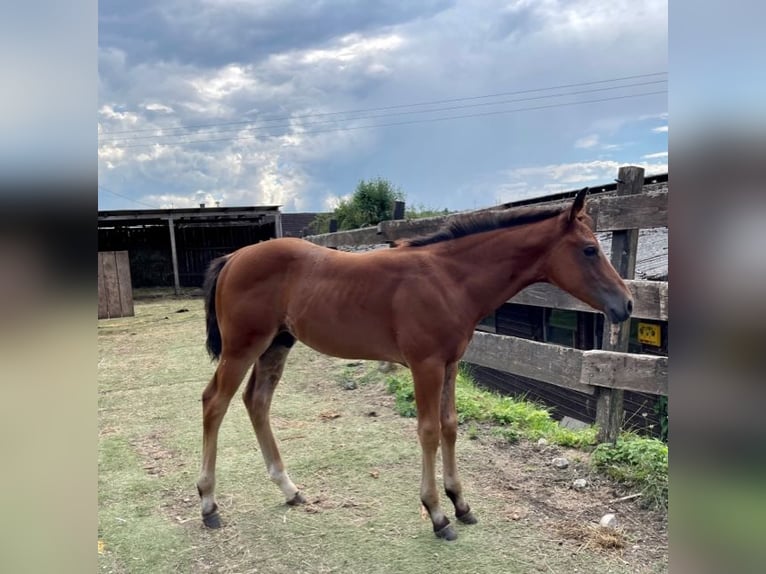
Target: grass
<point>360,472</point>
<point>517,418</point>
<point>637,462</point>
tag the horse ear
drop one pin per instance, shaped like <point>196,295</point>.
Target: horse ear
<point>579,204</point>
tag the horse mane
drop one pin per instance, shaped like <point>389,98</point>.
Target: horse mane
<point>471,223</point>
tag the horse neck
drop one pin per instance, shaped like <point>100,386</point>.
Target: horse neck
<point>493,266</point>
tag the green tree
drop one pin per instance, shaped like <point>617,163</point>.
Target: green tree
<point>371,203</point>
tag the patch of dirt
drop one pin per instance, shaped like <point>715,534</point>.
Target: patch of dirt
<point>534,491</point>
<point>156,458</point>
<point>537,492</point>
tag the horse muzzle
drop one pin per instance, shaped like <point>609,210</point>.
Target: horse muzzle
<point>619,311</point>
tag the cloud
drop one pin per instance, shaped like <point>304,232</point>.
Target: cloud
<point>658,155</point>
<point>155,107</point>
<point>535,181</point>
<point>253,71</point>
<point>587,142</point>
<point>660,130</point>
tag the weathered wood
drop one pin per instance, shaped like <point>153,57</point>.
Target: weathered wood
<point>115,292</point>
<point>398,210</point>
<point>610,213</point>
<point>103,309</point>
<point>570,368</point>
<point>122,262</point>
<point>540,361</point>
<point>111,285</point>
<point>609,403</point>
<point>174,256</point>
<point>409,228</point>
<point>625,371</point>
<point>650,299</point>
<point>642,211</point>
<point>355,237</point>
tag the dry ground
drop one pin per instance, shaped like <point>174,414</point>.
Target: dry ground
<point>356,460</point>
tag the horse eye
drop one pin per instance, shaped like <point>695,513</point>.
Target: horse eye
<point>590,251</point>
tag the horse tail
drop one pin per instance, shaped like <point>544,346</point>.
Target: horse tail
<point>213,342</point>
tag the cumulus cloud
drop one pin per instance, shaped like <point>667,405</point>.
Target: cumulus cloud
<point>265,84</point>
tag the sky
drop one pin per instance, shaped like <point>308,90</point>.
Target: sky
<point>460,104</point>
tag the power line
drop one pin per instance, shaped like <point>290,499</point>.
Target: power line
<point>409,122</point>
<point>102,188</point>
<point>400,106</point>
<point>400,113</point>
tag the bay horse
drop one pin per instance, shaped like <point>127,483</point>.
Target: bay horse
<point>416,304</point>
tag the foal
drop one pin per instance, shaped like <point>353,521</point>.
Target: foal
<point>416,304</point>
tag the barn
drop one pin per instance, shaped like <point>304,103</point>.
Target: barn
<point>172,247</point>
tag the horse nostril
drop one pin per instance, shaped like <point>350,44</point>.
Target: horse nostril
<point>630,306</point>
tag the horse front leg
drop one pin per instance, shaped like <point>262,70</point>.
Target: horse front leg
<point>429,380</point>
<point>452,485</point>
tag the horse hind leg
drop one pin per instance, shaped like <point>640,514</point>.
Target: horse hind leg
<point>257,398</point>
<point>215,402</point>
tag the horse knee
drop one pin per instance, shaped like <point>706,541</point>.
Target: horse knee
<point>429,433</point>
<point>449,429</point>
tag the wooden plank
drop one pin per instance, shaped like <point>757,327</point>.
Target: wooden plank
<point>355,237</point>
<point>650,299</point>
<point>111,286</point>
<point>610,213</point>
<point>103,311</point>
<point>540,361</point>
<point>642,211</point>
<point>609,402</point>
<point>625,371</point>
<point>409,228</point>
<point>125,286</point>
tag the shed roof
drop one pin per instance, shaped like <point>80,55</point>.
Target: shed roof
<point>208,215</point>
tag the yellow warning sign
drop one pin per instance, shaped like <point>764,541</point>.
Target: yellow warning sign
<point>649,333</point>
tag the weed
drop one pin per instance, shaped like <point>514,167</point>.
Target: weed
<point>510,434</point>
<point>639,462</point>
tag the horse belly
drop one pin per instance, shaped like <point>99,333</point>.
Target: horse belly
<point>348,341</point>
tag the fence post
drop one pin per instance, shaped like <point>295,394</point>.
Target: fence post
<point>174,256</point>
<point>609,404</point>
<point>398,210</point>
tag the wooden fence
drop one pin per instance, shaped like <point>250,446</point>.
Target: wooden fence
<point>115,293</point>
<point>606,372</point>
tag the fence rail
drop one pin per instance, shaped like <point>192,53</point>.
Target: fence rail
<point>570,368</point>
<point>604,373</point>
<point>609,213</point>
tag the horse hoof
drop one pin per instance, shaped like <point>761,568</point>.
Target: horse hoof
<point>447,533</point>
<point>468,518</point>
<point>296,500</point>
<point>212,520</point>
